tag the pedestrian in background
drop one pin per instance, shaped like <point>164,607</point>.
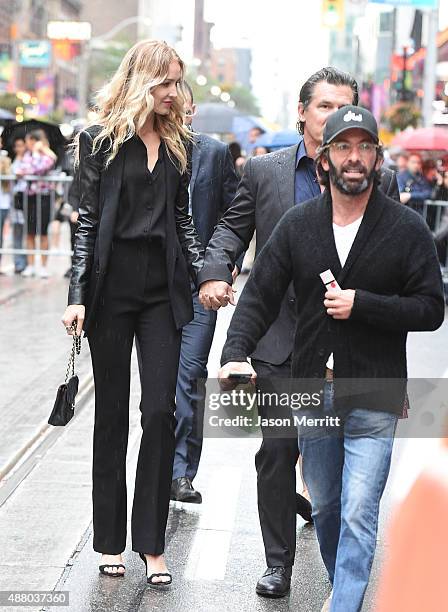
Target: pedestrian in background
<point>259,151</point>
<point>5,192</point>
<point>440,192</point>
<point>17,216</point>
<point>413,186</point>
<point>212,189</point>
<point>238,158</point>
<point>38,159</point>
<point>134,249</point>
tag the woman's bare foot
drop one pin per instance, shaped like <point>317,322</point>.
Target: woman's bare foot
<point>155,564</point>
<point>113,560</point>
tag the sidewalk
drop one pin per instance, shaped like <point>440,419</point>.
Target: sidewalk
<point>214,550</point>
<point>33,357</point>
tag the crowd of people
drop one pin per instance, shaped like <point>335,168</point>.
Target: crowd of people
<point>345,266</point>
<point>34,209</point>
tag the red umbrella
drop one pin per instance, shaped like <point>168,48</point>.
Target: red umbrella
<point>422,139</point>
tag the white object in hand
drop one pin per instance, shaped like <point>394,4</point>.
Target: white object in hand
<point>329,281</point>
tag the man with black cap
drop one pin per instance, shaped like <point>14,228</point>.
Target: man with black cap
<point>271,185</point>
<point>365,273</point>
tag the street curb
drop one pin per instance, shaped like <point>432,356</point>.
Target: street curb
<point>25,459</point>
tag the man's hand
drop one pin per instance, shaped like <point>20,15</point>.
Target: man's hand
<point>239,367</point>
<point>235,273</point>
<point>405,196</point>
<point>339,304</point>
<point>213,294</point>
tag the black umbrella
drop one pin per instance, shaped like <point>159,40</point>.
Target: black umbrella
<point>6,116</point>
<point>20,130</point>
<point>214,118</point>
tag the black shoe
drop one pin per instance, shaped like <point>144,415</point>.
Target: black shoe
<point>182,490</point>
<point>162,585</point>
<point>114,567</point>
<point>304,508</point>
<point>275,582</point>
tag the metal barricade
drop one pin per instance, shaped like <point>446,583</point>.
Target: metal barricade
<point>34,202</point>
<point>435,213</point>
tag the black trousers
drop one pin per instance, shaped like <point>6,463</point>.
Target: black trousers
<point>135,303</point>
<point>276,471</point>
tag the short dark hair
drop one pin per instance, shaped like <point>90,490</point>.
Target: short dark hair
<point>330,75</point>
<point>187,88</point>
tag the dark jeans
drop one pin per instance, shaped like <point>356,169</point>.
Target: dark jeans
<point>197,338</point>
<point>135,303</point>
<point>3,216</point>
<point>19,260</point>
<point>276,475</point>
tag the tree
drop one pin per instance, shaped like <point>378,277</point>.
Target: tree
<point>9,102</point>
<point>244,99</point>
<point>402,115</point>
<point>104,62</point>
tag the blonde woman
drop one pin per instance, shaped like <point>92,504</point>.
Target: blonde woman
<point>134,249</point>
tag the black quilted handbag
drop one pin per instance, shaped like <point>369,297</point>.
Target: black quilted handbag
<point>64,405</point>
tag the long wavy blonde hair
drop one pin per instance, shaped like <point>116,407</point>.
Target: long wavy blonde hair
<point>123,105</point>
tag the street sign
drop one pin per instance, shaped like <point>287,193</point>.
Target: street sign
<point>34,53</point>
<point>69,30</point>
<point>418,4</point>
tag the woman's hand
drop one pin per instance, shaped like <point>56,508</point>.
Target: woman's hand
<point>74,312</point>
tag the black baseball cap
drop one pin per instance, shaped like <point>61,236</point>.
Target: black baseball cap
<point>347,118</point>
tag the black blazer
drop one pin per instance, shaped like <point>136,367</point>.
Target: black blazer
<point>213,184</point>
<point>265,193</point>
<point>99,190</point>
<point>393,267</point>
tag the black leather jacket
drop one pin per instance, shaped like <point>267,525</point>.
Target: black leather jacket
<point>99,189</point>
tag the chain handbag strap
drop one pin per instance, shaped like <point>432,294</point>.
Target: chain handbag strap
<point>76,349</point>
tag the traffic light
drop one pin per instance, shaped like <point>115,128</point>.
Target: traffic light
<point>333,14</point>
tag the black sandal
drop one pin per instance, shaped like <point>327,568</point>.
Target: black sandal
<point>112,574</point>
<point>149,579</point>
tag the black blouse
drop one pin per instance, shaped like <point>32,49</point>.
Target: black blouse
<point>142,207</point>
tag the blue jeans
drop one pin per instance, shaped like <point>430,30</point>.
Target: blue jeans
<point>197,338</point>
<point>346,473</point>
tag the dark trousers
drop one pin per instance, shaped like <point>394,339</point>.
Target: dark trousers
<point>135,302</point>
<point>197,338</point>
<point>276,472</point>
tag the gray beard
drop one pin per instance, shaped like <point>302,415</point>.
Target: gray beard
<point>349,188</point>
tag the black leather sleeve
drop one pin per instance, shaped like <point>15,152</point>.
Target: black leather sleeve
<point>186,232</point>
<point>89,173</point>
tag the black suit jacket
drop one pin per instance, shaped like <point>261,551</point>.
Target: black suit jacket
<point>99,190</point>
<point>213,184</point>
<point>393,267</point>
<point>265,193</point>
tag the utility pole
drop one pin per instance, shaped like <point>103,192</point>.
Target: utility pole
<point>429,80</point>
<point>404,74</point>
